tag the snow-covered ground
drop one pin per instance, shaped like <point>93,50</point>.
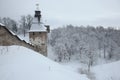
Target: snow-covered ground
<point>110,71</point>
<point>20,63</point>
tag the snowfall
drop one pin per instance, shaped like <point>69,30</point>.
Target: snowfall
<point>20,63</point>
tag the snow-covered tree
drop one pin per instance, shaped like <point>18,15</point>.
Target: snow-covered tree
<point>10,23</point>
<point>85,43</point>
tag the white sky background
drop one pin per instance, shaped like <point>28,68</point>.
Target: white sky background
<point>62,12</point>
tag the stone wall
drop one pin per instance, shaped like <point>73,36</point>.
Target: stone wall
<point>7,38</point>
<point>39,39</point>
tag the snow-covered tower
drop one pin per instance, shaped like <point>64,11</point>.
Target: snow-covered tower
<point>38,33</point>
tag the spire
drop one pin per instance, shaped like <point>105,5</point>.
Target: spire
<point>37,7</point>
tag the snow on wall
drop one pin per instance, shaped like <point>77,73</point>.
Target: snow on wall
<point>36,41</point>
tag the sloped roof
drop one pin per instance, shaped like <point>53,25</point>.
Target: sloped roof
<point>11,32</point>
<point>37,27</point>
<point>2,24</point>
<point>7,29</point>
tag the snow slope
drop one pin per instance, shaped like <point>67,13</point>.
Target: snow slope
<point>110,71</point>
<point>19,63</point>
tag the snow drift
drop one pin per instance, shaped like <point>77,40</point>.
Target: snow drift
<point>110,71</point>
<point>19,63</point>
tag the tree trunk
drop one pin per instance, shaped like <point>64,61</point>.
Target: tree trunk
<point>104,52</point>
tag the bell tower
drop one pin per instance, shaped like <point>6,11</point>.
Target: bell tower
<point>38,33</point>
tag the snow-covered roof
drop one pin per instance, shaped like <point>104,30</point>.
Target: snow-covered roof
<point>7,29</point>
<point>2,24</point>
<point>35,20</point>
<point>12,32</point>
<point>37,27</point>
<point>26,39</point>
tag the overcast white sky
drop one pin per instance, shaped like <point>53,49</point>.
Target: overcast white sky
<point>63,12</point>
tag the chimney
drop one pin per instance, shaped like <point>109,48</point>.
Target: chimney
<point>48,28</point>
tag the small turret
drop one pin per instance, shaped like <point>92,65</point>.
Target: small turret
<point>37,13</point>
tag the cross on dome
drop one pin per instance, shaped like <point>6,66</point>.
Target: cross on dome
<point>37,6</point>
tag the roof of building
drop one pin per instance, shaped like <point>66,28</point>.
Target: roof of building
<point>12,33</point>
<point>2,24</point>
<point>37,27</point>
<point>7,29</point>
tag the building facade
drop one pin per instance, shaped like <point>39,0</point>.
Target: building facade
<point>38,33</point>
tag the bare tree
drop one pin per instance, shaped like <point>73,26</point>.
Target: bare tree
<point>10,23</point>
<point>29,19</point>
<point>23,24</point>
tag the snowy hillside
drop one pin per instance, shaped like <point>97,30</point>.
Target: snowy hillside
<point>19,63</point>
<point>109,71</point>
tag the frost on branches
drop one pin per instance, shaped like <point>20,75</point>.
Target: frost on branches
<point>87,44</point>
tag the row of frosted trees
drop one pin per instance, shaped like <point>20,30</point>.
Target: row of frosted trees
<point>18,27</point>
<point>87,44</point>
